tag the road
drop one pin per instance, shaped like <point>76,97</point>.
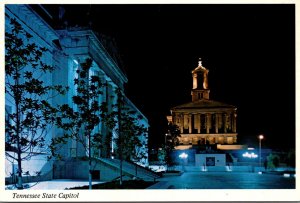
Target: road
<point>226,180</point>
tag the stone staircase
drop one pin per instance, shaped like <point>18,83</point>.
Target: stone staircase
<point>132,170</point>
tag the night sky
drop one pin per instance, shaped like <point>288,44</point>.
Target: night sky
<point>248,49</point>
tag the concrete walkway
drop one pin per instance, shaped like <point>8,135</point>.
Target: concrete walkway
<point>225,180</point>
<point>59,184</point>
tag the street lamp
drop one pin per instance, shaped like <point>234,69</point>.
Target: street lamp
<point>166,138</point>
<point>183,156</point>
<point>260,137</point>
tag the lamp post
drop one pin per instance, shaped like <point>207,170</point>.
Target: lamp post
<point>260,137</point>
<point>183,156</point>
<point>166,139</point>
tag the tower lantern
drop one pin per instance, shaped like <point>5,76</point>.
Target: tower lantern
<point>200,83</point>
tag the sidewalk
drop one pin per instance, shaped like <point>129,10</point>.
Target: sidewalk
<point>58,184</point>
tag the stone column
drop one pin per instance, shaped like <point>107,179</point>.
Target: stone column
<point>205,79</point>
<point>234,122</point>
<point>190,123</point>
<point>225,117</point>
<point>230,122</point>
<point>217,123</point>
<point>219,115</point>
<point>195,81</point>
<point>181,123</point>
<point>185,121</point>
<point>207,123</point>
<point>199,122</point>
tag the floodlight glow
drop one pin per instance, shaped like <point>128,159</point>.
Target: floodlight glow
<point>251,155</point>
<point>183,155</point>
<point>261,137</point>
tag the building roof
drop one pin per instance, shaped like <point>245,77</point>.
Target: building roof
<point>203,104</point>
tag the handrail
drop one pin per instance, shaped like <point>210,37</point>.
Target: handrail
<point>130,167</point>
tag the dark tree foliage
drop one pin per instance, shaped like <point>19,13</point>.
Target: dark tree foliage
<point>80,123</point>
<point>131,143</point>
<point>291,158</point>
<point>273,161</point>
<point>29,97</point>
<point>171,142</point>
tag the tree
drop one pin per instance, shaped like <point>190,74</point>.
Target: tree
<point>171,141</point>
<point>291,158</point>
<point>28,95</point>
<point>161,155</point>
<point>132,136</point>
<point>80,123</point>
<point>273,161</point>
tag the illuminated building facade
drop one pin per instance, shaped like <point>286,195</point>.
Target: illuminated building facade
<point>204,121</point>
<point>67,49</point>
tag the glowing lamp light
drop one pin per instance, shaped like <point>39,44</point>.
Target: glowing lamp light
<point>251,155</point>
<point>183,155</point>
<point>261,137</point>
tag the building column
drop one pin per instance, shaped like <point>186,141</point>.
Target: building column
<point>195,81</point>
<point>185,121</point>
<point>181,123</point>
<point>225,122</point>
<point>199,122</point>
<point>230,122</point>
<point>217,123</point>
<point>234,122</point>
<point>190,123</point>
<point>207,123</point>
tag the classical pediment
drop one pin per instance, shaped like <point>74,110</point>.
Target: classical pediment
<point>204,104</point>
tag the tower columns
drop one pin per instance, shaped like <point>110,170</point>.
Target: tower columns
<point>195,81</point>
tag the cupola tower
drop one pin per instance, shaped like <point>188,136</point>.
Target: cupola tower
<point>200,83</point>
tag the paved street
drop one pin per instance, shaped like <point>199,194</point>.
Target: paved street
<point>226,180</point>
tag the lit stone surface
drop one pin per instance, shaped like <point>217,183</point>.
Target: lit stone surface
<point>203,120</point>
<point>67,49</point>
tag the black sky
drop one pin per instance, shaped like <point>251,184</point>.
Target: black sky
<point>248,49</point>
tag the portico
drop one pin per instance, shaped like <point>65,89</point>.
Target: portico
<point>204,121</point>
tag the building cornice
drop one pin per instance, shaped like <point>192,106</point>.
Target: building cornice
<point>130,103</point>
<point>108,59</point>
<point>96,50</point>
<point>33,22</point>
